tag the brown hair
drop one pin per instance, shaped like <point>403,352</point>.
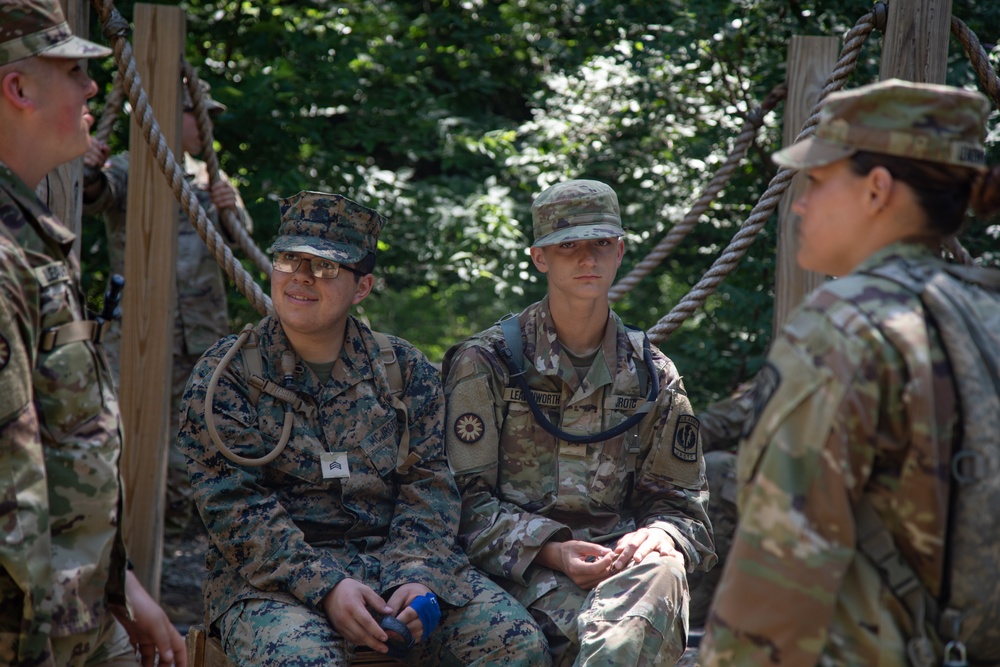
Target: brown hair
<point>945,192</point>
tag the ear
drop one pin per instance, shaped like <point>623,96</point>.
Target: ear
<point>12,89</point>
<point>364,288</point>
<point>879,184</point>
<point>538,258</point>
<point>621,252</point>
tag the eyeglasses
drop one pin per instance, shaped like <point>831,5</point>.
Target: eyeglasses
<point>289,262</point>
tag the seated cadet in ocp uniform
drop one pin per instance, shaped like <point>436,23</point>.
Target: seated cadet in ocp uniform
<point>577,454</point>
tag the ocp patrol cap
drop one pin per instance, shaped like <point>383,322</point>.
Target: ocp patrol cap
<point>575,211</point>
<point>329,226</point>
<point>922,121</point>
<point>39,28</point>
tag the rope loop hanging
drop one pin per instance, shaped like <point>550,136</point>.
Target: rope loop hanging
<point>677,233</point>
<point>728,260</point>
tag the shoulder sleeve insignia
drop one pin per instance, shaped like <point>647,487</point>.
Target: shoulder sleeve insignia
<point>685,446</point>
<point>469,428</point>
<point>765,383</point>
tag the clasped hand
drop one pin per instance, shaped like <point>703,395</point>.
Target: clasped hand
<point>350,606</point>
<point>588,564</point>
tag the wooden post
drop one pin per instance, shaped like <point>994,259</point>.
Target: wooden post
<point>149,302</point>
<point>810,61</point>
<point>916,41</point>
<point>62,188</point>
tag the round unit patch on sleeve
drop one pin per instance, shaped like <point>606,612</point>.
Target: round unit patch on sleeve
<point>469,428</point>
<point>685,446</point>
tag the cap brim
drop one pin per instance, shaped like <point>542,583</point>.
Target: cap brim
<point>812,152</point>
<point>602,230</point>
<point>335,252</point>
<point>76,48</point>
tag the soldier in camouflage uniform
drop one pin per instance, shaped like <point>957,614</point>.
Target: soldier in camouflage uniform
<point>201,315</point>
<point>358,514</point>
<point>63,579</point>
<point>891,167</point>
<point>594,538</point>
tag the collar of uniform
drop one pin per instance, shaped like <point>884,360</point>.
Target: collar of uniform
<point>27,199</point>
<point>899,250</point>
<point>548,359</point>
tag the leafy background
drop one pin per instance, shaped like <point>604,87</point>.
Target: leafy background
<point>450,116</point>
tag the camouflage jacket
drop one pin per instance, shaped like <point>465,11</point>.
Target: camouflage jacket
<point>62,557</point>
<point>201,289</point>
<point>521,486</point>
<point>829,426</point>
<point>282,530</point>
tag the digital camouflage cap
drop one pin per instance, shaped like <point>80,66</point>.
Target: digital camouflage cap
<point>574,211</point>
<point>38,28</point>
<point>328,226</point>
<point>921,121</point>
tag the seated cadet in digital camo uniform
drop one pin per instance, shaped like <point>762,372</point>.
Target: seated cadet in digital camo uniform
<point>63,579</point>
<point>357,517</point>
<point>582,478</point>
<point>855,414</point>
<point>201,314</point>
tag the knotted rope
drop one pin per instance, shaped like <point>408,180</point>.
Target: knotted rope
<point>730,257</point>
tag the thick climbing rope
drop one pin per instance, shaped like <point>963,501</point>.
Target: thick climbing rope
<point>230,221</point>
<point>751,125</point>
<point>730,257</point>
<point>988,78</point>
<point>115,30</point>
<point>990,84</point>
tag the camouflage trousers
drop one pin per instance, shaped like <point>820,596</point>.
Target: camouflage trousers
<point>491,629</point>
<point>635,617</point>
<point>105,646</point>
<point>721,472</point>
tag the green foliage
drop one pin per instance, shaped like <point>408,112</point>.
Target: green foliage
<point>450,116</point>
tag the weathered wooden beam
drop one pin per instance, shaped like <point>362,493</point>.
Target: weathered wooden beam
<point>810,61</point>
<point>149,302</point>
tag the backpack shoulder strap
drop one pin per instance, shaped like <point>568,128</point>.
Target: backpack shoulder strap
<point>637,337</point>
<point>390,362</point>
<point>404,458</point>
<point>510,325</point>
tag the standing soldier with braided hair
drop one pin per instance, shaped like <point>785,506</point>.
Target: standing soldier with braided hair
<point>66,598</point>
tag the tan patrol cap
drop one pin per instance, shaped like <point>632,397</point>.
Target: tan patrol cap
<point>574,211</point>
<point>38,28</point>
<point>920,121</point>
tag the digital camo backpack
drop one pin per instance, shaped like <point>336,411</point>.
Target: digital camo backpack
<point>964,304</point>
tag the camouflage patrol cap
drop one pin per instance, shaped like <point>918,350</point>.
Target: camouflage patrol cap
<point>212,106</point>
<point>921,121</point>
<point>38,28</point>
<point>574,211</point>
<point>328,226</point>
